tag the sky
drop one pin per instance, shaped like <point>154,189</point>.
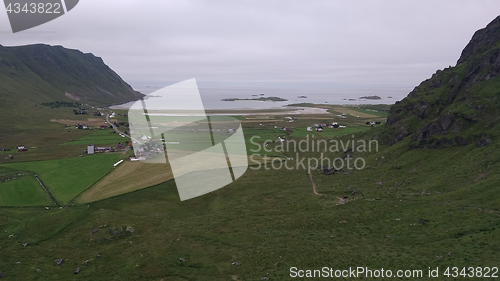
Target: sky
<point>374,43</point>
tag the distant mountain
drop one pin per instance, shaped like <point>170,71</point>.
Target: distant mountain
<point>42,73</point>
<point>456,106</point>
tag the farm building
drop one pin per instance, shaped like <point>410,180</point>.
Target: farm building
<point>103,149</point>
<point>90,149</point>
<point>319,129</point>
<point>21,148</point>
<point>120,146</point>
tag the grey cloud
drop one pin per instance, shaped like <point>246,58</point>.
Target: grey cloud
<point>361,42</point>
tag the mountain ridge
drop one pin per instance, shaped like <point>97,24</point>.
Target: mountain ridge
<point>43,73</point>
<point>458,105</point>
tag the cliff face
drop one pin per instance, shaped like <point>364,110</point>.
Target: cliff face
<point>42,73</point>
<point>456,106</point>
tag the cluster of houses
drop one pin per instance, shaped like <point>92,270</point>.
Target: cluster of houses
<point>82,126</point>
<point>85,127</point>
<point>91,149</point>
<point>148,150</point>
<point>319,127</point>
<point>284,129</point>
<point>20,148</point>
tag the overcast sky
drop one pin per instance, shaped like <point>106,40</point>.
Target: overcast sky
<point>390,43</point>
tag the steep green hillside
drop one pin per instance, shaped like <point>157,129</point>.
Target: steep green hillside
<point>456,106</point>
<point>36,74</point>
<point>42,73</point>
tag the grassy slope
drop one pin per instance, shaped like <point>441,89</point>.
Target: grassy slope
<point>66,178</point>
<point>271,220</point>
<point>23,192</point>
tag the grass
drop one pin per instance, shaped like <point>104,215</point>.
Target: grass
<point>328,132</point>
<point>125,178</point>
<point>67,178</point>
<point>408,209</point>
<point>271,220</point>
<point>25,191</point>
<point>99,137</point>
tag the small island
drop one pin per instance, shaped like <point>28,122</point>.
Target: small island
<point>371,98</point>
<point>302,97</point>
<point>258,99</point>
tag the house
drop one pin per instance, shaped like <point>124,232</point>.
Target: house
<point>104,127</point>
<point>21,148</point>
<point>289,130</point>
<point>120,146</point>
<point>309,129</point>
<point>103,149</point>
<point>90,149</point>
<point>319,129</point>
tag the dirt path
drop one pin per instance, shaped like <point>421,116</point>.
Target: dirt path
<point>314,186</point>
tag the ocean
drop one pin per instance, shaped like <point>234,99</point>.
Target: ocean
<point>212,96</point>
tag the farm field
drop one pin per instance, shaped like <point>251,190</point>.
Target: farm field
<point>25,191</point>
<point>66,178</point>
<point>127,177</point>
<point>98,137</point>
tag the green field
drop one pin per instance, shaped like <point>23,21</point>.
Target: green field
<point>372,112</point>
<point>66,178</point>
<point>99,137</point>
<point>25,191</point>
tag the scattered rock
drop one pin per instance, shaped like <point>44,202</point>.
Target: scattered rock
<point>379,183</point>
<point>181,260</point>
<point>265,278</point>
<point>39,270</point>
<point>236,263</point>
<point>95,231</point>
<point>483,141</point>
<point>424,192</point>
<point>59,261</point>
<point>1,274</point>
<point>413,171</point>
<point>25,244</point>
<point>130,229</point>
<point>11,236</point>
<point>47,208</point>
<point>77,270</point>
<point>422,221</point>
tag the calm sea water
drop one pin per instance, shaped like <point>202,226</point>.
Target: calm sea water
<point>212,96</point>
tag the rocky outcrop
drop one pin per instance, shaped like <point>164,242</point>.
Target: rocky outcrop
<point>456,104</point>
